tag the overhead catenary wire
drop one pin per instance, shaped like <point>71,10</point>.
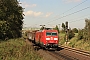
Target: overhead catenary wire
<point>71,14</point>
<point>71,8</point>
<point>78,17</point>
<point>76,20</point>
<point>75,6</point>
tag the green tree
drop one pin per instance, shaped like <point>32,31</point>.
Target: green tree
<point>63,27</point>
<point>80,34</point>
<point>11,14</point>
<point>70,34</point>
<point>75,30</point>
<point>56,28</point>
<point>87,30</point>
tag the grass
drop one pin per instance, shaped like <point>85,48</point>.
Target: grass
<point>79,44</point>
<point>75,43</point>
<point>17,49</point>
<point>61,38</point>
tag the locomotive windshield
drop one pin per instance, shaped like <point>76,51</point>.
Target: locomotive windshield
<point>48,33</point>
<point>51,34</point>
<point>54,34</point>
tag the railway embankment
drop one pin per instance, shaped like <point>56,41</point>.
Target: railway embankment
<point>17,49</point>
<point>75,43</point>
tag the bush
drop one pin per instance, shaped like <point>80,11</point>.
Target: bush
<point>80,34</point>
<point>70,34</point>
<point>17,49</point>
<point>75,30</point>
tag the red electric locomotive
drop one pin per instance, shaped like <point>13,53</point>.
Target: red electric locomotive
<point>47,38</point>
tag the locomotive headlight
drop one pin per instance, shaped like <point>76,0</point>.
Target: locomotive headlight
<point>55,38</point>
<point>47,38</point>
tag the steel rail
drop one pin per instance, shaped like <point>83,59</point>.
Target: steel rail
<point>86,53</point>
<point>59,55</point>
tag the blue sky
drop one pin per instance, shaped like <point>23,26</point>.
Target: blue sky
<point>51,12</point>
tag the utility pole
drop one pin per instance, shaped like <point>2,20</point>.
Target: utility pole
<point>59,27</point>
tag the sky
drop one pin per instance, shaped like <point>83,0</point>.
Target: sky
<point>55,12</point>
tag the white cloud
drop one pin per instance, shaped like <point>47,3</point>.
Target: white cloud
<point>32,5</point>
<point>48,14</point>
<point>37,14</point>
<point>70,1</point>
<point>26,5</point>
<point>32,13</point>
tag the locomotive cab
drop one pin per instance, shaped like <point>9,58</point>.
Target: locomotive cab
<point>51,39</point>
<point>47,38</point>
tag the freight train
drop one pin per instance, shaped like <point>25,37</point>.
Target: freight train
<point>46,38</point>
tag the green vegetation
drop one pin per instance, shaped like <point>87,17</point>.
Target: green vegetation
<point>74,42</point>
<point>11,19</point>
<point>86,33</point>
<point>56,28</point>
<point>17,49</point>
<point>63,28</point>
<point>11,23</point>
<point>80,44</point>
<point>80,34</point>
<point>76,38</point>
<point>70,34</point>
<point>75,30</point>
<point>61,38</point>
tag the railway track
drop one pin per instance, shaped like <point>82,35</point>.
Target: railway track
<point>64,56</point>
<point>85,53</point>
<point>66,53</point>
<point>61,56</point>
<point>55,55</point>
